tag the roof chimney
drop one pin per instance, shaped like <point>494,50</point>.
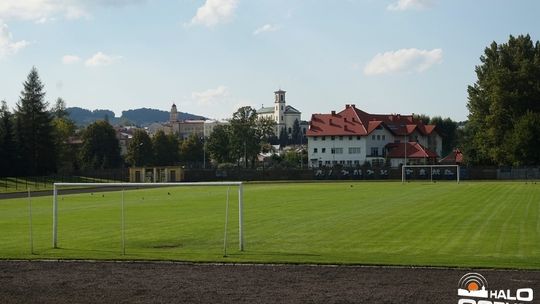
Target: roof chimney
<point>333,113</point>
<point>353,105</point>
<point>347,106</point>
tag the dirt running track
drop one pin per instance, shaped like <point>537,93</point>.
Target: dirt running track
<point>146,282</point>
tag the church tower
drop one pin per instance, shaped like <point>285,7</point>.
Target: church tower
<point>279,106</point>
<point>174,114</point>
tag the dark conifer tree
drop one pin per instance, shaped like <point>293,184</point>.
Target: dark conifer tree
<point>34,130</point>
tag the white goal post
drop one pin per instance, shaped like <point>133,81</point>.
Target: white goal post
<point>122,186</point>
<point>430,167</point>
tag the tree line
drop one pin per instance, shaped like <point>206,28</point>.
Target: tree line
<point>37,140</point>
<point>503,126</point>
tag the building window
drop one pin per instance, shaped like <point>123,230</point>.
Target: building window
<point>358,137</point>
<point>350,137</point>
<point>340,137</point>
<point>282,117</point>
<point>327,162</point>
<point>356,162</point>
<point>374,151</point>
<point>336,150</point>
<point>315,138</point>
<point>349,162</point>
<point>354,150</point>
<point>384,137</point>
<point>323,138</point>
<point>333,138</point>
<point>372,137</point>
<point>290,130</point>
<point>378,137</point>
<point>323,150</point>
<point>314,150</point>
<point>341,162</point>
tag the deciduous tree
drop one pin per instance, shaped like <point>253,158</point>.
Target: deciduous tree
<point>218,144</point>
<point>508,86</point>
<point>139,150</point>
<point>166,149</point>
<point>245,142</point>
<point>100,148</point>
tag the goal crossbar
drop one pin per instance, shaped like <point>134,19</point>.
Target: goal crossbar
<point>404,167</point>
<point>134,185</point>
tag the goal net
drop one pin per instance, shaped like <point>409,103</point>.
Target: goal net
<point>166,218</point>
<point>429,173</point>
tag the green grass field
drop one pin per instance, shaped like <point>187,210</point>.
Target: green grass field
<point>473,224</point>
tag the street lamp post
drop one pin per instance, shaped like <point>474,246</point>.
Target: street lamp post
<point>405,147</point>
<point>204,154</point>
<point>204,151</point>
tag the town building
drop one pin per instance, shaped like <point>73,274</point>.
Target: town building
<point>184,128</point>
<point>284,115</point>
<point>353,137</point>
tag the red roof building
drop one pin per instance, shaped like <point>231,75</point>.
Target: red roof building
<point>353,137</point>
<point>454,158</point>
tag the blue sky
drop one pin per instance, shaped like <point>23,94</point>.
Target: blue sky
<point>212,56</point>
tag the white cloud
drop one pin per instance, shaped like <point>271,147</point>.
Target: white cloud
<point>7,45</point>
<point>266,28</point>
<point>41,11</point>
<point>404,60</point>
<point>211,95</point>
<point>70,59</point>
<point>214,12</point>
<point>402,5</point>
<point>101,59</point>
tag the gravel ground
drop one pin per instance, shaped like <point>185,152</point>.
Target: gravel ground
<point>163,282</point>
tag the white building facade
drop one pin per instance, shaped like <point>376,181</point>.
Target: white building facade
<point>353,137</point>
<point>284,115</point>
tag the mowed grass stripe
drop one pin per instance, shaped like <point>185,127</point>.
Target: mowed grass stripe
<point>473,224</point>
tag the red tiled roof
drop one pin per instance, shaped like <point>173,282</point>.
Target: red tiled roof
<point>414,150</point>
<point>455,157</point>
<point>353,121</point>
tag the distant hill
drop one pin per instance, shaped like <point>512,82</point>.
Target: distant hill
<point>140,117</point>
<point>146,116</point>
<point>84,117</point>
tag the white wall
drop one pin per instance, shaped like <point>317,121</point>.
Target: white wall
<point>289,121</point>
<point>343,158</point>
<point>378,139</point>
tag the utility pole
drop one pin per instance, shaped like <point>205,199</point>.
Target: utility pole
<point>204,153</point>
